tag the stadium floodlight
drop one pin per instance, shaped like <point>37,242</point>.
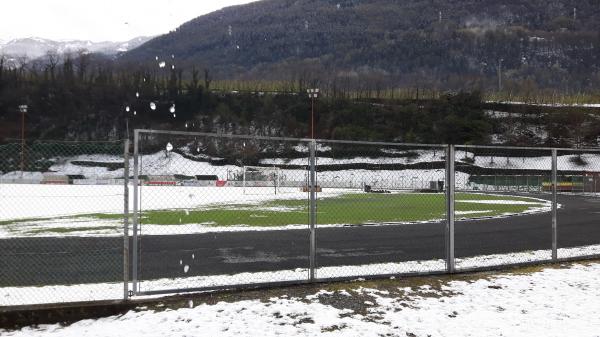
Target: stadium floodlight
<point>260,177</point>
<point>169,148</point>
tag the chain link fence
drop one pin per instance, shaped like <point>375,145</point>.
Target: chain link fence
<point>503,206</point>
<point>380,209</point>
<point>219,212</point>
<point>61,222</point>
<point>213,211</point>
<point>578,185</point>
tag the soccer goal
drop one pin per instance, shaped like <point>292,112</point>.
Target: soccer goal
<point>260,178</point>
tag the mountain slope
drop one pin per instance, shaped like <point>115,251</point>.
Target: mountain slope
<point>448,43</point>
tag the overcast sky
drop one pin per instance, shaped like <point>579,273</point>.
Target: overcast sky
<point>100,20</point>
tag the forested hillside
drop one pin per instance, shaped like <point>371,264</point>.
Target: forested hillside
<point>428,43</point>
<point>83,99</point>
<point>89,99</point>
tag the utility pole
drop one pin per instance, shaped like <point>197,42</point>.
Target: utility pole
<point>23,110</point>
<point>500,74</point>
<point>313,94</point>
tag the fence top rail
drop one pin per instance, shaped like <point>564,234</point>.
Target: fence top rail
<point>50,141</point>
<point>352,142</point>
<point>220,135</point>
<point>288,139</point>
<point>492,147</point>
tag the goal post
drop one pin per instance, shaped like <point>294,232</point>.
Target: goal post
<point>261,176</point>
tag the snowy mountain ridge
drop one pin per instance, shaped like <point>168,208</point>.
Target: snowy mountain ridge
<point>35,47</point>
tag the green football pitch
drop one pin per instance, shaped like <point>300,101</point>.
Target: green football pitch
<point>347,209</point>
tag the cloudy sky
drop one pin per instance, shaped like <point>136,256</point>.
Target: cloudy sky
<point>100,20</point>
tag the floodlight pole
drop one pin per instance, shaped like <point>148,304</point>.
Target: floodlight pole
<point>23,109</point>
<point>450,207</point>
<point>554,204</point>
<point>312,211</point>
<point>313,94</point>
<point>312,118</point>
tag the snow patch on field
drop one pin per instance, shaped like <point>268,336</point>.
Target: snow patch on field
<point>500,202</point>
<point>471,212</point>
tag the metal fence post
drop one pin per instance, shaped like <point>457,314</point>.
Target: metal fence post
<point>450,182</point>
<point>554,204</point>
<point>313,211</point>
<point>126,221</point>
<point>134,275</point>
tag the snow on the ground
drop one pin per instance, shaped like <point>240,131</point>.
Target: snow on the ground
<point>584,105</point>
<point>420,156</point>
<point>65,166</point>
<point>551,302</point>
<point>161,164</point>
<point>153,164</point>
<point>504,114</point>
<point>303,148</point>
<point>591,162</point>
<point>34,176</point>
<point>109,291</point>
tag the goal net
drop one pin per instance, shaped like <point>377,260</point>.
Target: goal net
<point>259,179</point>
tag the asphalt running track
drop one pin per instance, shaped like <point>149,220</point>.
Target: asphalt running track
<point>47,261</point>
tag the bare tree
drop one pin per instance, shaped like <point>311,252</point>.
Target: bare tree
<point>83,62</point>
<point>207,79</point>
<point>52,60</point>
